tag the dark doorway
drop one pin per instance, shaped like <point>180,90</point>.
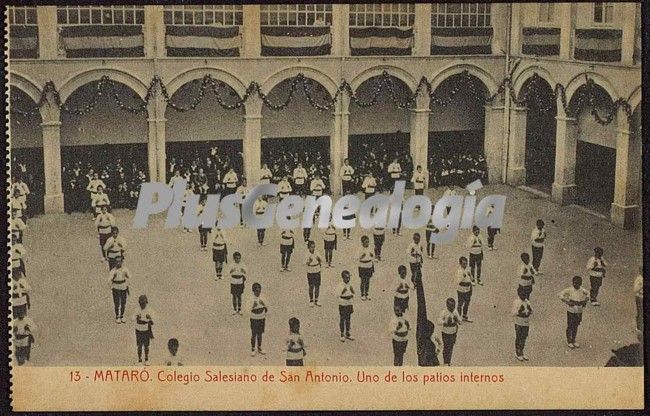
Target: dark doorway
<point>595,169</point>
<point>540,133</point>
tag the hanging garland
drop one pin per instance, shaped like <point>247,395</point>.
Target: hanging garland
<point>463,82</point>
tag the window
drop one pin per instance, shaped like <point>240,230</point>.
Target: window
<point>296,14</point>
<point>100,15</point>
<point>22,15</point>
<point>546,13</point>
<point>383,15</point>
<point>210,15</point>
<point>603,13</point>
<point>461,15</point>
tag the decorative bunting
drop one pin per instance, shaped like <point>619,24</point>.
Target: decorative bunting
<point>102,41</point>
<point>598,45</point>
<point>461,41</point>
<point>23,42</point>
<point>202,41</point>
<point>383,83</point>
<point>541,41</point>
<point>296,40</point>
<point>367,41</point>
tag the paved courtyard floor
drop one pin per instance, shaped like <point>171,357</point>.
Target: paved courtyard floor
<point>72,303</point>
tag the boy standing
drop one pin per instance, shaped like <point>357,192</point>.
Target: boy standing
<point>399,328</point>
<point>575,297</point>
<point>346,296</point>
<point>23,330</point>
<point>237,272</point>
<point>258,308</point>
<point>366,259</point>
<point>596,268</point>
<point>464,290</point>
<point>538,238</point>
<point>219,252</point>
<point>414,252</point>
<point>104,222</point>
<point>119,277</point>
<point>401,299</point>
<point>114,248</point>
<point>527,276</point>
<point>314,263</point>
<point>475,245</point>
<point>521,310</point>
<point>287,242</point>
<point>449,319</point>
<point>143,319</point>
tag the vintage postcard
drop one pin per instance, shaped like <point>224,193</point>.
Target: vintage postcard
<point>325,206</point>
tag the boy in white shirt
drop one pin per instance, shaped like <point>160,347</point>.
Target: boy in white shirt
<point>575,297</point>
<point>257,308</point>
<point>346,296</point>
<point>596,269</point>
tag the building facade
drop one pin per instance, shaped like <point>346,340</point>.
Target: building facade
<point>568,72</point>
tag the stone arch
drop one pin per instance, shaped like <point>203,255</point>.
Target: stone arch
<point>485,77</point>
<point>26,85</point>
<point>85,77</point>
<point>394,71</point>
<point>198,73</point>
<point>322,78</point>
<point>524,75</point>
<point>580,80</point>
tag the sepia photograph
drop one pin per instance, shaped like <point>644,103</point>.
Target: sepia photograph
<point>200,190</point>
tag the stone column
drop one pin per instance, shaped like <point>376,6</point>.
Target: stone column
<point>252,146</point>
<point>51,128</point>
<point>340,29</point>
<point>420,131</point>
<point>339,141</point>
<point>564,190</point>
<point>515,30</point>
<point>499,18</point>
<point>494,142</point>
<point>48,32</point>
<point>626,206</point>
<point>156,152</point>
<point>422,29</point>
<point>628,12</point>
<point>565,11</point>
<point>251,36</point>
<point>154,32</point>
<point>516,174</point>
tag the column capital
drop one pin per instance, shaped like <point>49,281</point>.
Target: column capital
<point>253,107</point>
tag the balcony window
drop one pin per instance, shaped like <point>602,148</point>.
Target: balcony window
<point>546,13</point>
<point>296,14</point>
<point>100,15</point>
<point>461,15</point>
<point>603,13</point>
<point>209,15</point>
<point>382,15</point>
